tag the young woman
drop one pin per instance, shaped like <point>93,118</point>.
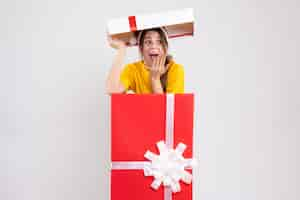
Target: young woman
<point>156,72</point>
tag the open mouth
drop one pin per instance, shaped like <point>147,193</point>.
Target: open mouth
<point>153,55</point>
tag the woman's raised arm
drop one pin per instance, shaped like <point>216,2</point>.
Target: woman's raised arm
<point>113,84</point>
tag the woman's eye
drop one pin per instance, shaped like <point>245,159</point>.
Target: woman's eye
<point>149,42</point>
<point>146,42</point>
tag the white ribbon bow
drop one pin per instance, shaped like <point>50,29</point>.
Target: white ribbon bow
<point>169,167</point>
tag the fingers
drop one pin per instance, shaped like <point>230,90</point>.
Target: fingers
<point>158,67</point>
<point>162,64</point>
<point>158,64</point>
<point>154,68</point>
<point>115,43</point>
<point>155,64</point>
<point>109,39</point>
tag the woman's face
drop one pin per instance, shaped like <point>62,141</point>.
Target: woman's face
<point>152,47</point>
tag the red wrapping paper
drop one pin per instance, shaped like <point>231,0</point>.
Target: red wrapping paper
<point>138,122</point>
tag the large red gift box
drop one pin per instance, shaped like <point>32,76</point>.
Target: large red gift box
<point>138,122</point>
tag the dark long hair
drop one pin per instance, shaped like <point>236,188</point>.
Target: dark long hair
<point>141,37</point>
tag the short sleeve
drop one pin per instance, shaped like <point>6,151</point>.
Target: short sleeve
<point>175,81</point>
<point>126,77</point>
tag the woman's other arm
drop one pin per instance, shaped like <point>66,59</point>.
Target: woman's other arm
<point>113,84</point>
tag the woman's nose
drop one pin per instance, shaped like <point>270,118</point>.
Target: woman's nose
<point>154,45</point>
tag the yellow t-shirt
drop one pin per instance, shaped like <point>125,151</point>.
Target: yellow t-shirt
<point>136,77</point>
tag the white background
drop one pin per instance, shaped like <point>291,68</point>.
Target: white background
<point>242,64</point>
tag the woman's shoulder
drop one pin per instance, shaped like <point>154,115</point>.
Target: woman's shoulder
<point>134,65</point>
<point>174,66</point>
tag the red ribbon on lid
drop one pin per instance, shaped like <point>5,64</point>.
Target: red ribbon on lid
<point>132,23</point>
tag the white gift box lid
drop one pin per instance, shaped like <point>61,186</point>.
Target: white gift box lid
<point>177,23</point>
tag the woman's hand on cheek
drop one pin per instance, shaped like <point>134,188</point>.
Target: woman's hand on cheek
<point>158,68</point>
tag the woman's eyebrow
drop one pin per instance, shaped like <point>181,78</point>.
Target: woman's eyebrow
<point>154,38</point>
